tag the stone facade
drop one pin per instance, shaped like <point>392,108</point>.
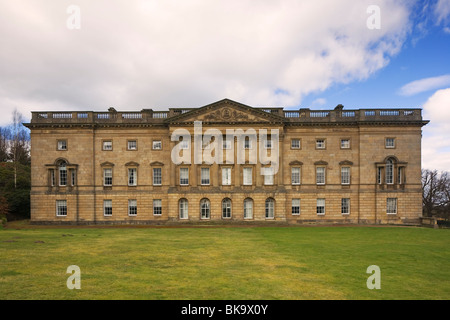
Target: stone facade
<point>336,166</point>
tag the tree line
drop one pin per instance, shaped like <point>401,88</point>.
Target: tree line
<point>436,194</point>
<point>15,169</point>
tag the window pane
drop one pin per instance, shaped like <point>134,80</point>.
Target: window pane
<point>295,144</point>
<point>62,145</point>
<point>184,176</point>
<point>205,176</point>
<point>320,175</point>
<point>295,175</point>
<point>269,208</point>
<point>107,177</point>
<point>268,176</point>
<point>345,206</point>
<point>157,207</point>
<point>62,175</point>
<point>204,209</point>
<point>157,176</point>
<point>226,208</point>
<point>389,172</point>
<point>132,177</point>
<point>320,143</point>
<point>107,145</point>
<point>132,145</point>
<point>295,206</point>
<point>107,207</point>
<point>248,209</point>
<point>320,206</point>
<point>183,209</point>
<point>247,176</point>
<point>157,145</point>
<point>390,142</point>
<point>226,176</point>
<point>61,207</point>
<point>345,175</point>
<point>391,206</point>
<point>132,207</point>
<point>345,143</point>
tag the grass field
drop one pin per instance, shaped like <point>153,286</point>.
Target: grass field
<point>212,263</point>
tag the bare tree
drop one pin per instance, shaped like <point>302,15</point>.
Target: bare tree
<point>19,151</point>
<point>435,193</point>
<point>4,140</point>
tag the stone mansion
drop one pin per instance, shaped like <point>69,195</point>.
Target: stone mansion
<point>293,166</point>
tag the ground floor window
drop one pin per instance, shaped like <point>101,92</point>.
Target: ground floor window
<point>248,208</point>
<point>320,206</point>
<point>295,206</point>
<point>205,209</point>
<point>107,208</point>
<point>270,208</point>
<point>345,206</point>
<point>183,208</point>
<point>132,207</point>
<point>157,207</point>
<point>61,208</point>
<point>391,206</point>
<point>226,208</point>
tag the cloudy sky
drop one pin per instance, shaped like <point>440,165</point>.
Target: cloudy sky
<point>74,55</point>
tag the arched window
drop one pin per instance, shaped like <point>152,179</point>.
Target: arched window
<point>62,168</point>
<point>270,208</point>
<point>183,208</point>
<point>205,209</point>
<point>226,208</point>
<point>389,171</point>
<point>248,208</point>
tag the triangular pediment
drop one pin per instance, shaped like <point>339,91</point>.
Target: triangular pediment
<point>228,112</point>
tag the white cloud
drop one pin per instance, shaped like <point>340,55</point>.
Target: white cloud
<point>436,142</point>
<point>427,84</point>
<point>160,54</point>
<point>442,11</point>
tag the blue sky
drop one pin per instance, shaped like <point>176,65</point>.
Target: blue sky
<point>90,55</point>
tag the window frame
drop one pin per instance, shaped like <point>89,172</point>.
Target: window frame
<point>389,206</point>
<point>206,210</point>
<point>185,208</point>
<point>205,181</point>
<point>129,142</point>
<point>60,146</point>
<point>296,206</point>
<point>105,214</point>
<point>104,144</point>
<point>349,143</point>
<point>156,142</point>
<point>246,208</point>
<point>345,176</point>
<point>249,175</point>
<point>295,147</point>
<point>318,175</point>
<point>186,179</point>
<point>324,142</point>
<point>318,206</point>
<point>224,169</point>
<point>294,183</point>
<point>345,204</point>
<point>157,210</point>
<point>389,139</point>
<point>270,208</point>
<point>155,176</point>
<point>132,207</point>
<point>60,207</point>
<point>134,176</point>
<point>106,177</point>
<point>226,211</point>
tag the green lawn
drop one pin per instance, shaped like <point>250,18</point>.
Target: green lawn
<point>213,263</point>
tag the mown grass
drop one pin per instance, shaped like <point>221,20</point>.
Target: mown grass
<point>290,263</point>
